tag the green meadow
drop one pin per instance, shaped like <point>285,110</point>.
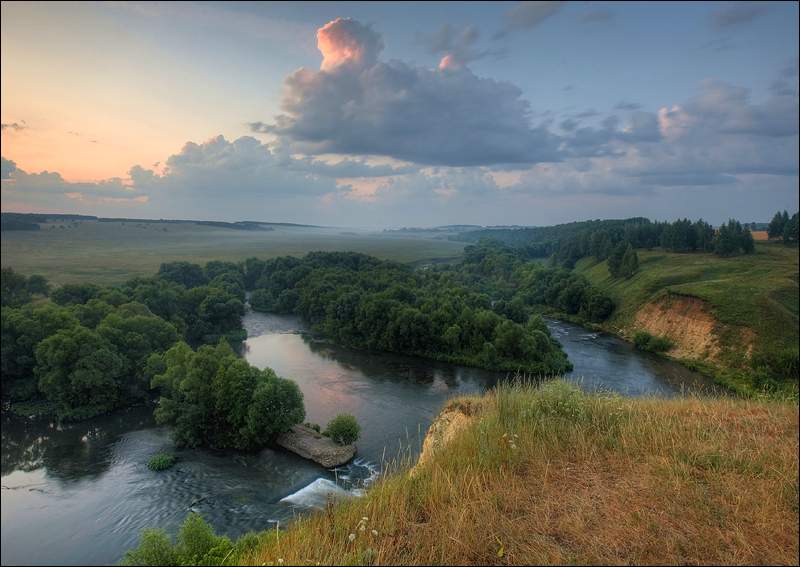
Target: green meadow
<point>111,252</point>
<point>758,291</point>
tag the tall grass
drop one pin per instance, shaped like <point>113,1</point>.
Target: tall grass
<point>553,475</point>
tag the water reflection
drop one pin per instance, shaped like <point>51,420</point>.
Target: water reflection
<point>81,493</point>
<point>71,451</point>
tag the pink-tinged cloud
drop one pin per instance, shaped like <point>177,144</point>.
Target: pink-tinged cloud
<point>448,62</point>
<point>346,41</point>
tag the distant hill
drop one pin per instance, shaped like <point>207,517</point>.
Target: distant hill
<point>31,221</point>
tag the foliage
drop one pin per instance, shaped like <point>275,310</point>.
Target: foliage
<point>161,462</point>
<point>213,398</point>
<point>80,371</point>
<point>732,239</point>
<point>343,429</point>
<point>17,290</point>
<point>196,544</point>
<point>127,324</point>
<point>366,303</point>
<point>650,343</point>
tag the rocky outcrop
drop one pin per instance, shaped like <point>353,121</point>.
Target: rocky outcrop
<point>452,419</point>
<point>309,444</point>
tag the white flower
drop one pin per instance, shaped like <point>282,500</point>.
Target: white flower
<point>375,532</point>
<point>280,561</point>
<point>352,537</point>
<point>361,527</point>
<point>365,519</point>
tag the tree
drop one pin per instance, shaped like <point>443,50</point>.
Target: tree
<point>74,294</point>
<point>212,398</point>
<point>790,230</point>
<point>630,263</point>
<point>184,273</point>
<point>22,330</point>
<point>343,429</point>
<point>777,224</point>
<point>38,285</point>
<point>80,372</point>
<point>13,288</point>
<point>615,259</point>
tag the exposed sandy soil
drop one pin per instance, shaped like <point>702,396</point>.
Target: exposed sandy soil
<point>687,321</point>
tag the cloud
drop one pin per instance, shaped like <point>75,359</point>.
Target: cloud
<point>49,190</point>
<point>15,126</point>
<point>624,105</point>
<point>348,42</point>
<point>738,13</point>
<point>7,167</point>
<point>359,105</point>
<point>456,48</point>
<point>528,15</point>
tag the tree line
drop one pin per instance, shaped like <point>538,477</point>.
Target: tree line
<point>784,227</point>
<point>366,303</point>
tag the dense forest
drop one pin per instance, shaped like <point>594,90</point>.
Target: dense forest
<point>366,303</point>
<point>602,239</point>
<point>82,350</point>
<point>88,350</point>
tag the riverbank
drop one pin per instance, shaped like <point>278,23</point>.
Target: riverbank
<point>734,319</point>
<point>554,476</point>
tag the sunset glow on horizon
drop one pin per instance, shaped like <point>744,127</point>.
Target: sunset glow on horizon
<point>148,108</point>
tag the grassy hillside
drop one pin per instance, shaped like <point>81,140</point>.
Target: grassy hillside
<point>76,251</point>
<point>757,293</point>
<point>556,476</point>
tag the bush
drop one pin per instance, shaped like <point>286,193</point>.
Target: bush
<point>647,342</point>
<point>161,461</point>
<point>343,429</point>
<point>196,544</point>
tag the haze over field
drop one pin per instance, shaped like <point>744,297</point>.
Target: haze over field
<point>385,114</point>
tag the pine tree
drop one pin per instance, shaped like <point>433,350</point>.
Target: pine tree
<point>630,263</point>
<point>615,259</point>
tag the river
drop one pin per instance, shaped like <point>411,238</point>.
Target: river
<point>80,493</point>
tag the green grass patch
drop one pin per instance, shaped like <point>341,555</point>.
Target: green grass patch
<point>161,462</point>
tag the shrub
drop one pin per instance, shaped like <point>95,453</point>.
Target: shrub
<point>161,461</point>
<point>196,544</point>
<point>650,343</point>
<point>343,429</point>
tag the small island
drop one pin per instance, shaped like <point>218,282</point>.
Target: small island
<point>313,445</point>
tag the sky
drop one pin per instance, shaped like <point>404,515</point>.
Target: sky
<point>389,114</point>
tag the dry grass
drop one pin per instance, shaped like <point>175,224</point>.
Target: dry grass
<point>588,479</point>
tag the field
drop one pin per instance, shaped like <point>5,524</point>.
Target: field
<point>556,476</point>
<point>111,252</point>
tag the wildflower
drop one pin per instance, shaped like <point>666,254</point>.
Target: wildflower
<point>375,533</point>
<point>280,561</point>
<point>352,537</point>
<point>365,519</point>
<point>361,528</point>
